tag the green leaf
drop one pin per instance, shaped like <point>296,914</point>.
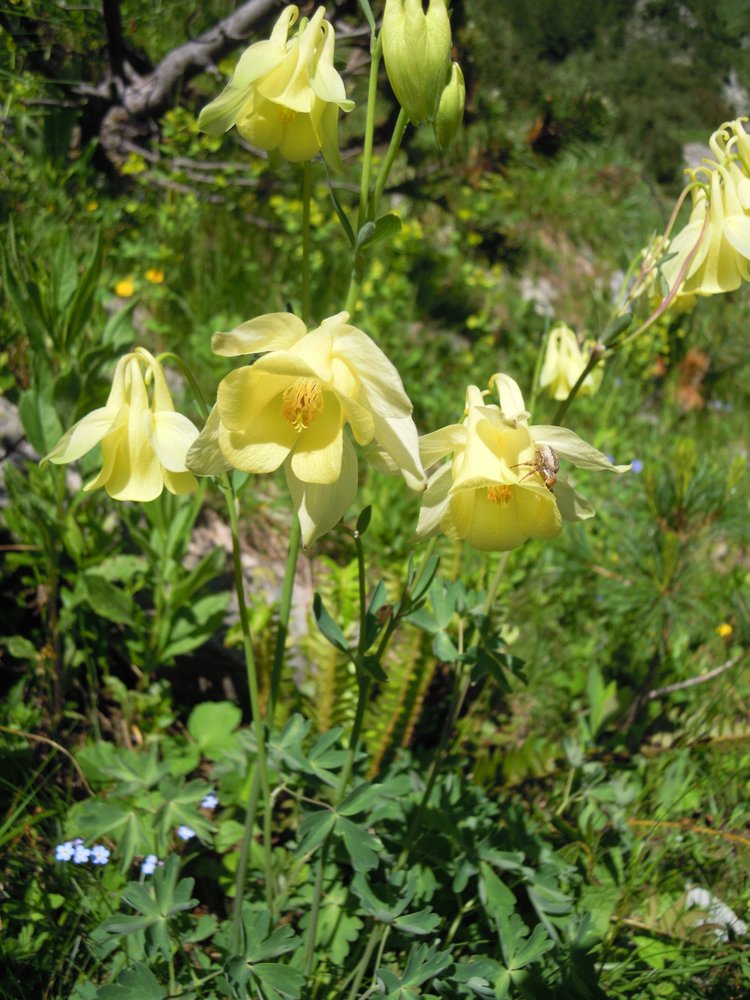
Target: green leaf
<point>136,983</point>
<point>120,567</point>
<point>360,799</point>
<point>40,421</point>
<point>212,725</point>
<point>314,829</point>
<point>386,227</point>
<point>533,949</point>
<point>123,823</point>
<point>363,521</point>
<point>345,224</point>
<point>443,648</point>
<point>107,600</point>
<point>258,945</point>
<point>497,897</point>
<point>288,982</point>
<point>83,300</point>
<point>422,922</point>
<point>180,807</point>
<point>20,647</point>
<point>371,665</point>
<point>421,585</point>
<point>328,626</point>
<point>363,848</point>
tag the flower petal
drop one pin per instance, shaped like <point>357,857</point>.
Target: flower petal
<point>321,505</point>
<point>271,332</point>
<point>172,436</point>
<point>572,506</point>
<point>317,455</point>
<point>570,447</point>
<point>179,483</point>
<point>398,436</point>
<point>204,456</point>
<point>84,435</point>
<point>434,505</point>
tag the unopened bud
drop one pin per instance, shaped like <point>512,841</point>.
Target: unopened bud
<point>417,52</point>
<point>451,109</point>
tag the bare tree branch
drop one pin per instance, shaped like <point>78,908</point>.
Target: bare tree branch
<point>149,94</point>
<point>700,679</point>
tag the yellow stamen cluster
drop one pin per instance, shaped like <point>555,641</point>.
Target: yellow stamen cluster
<point>499,494</point>
<point>303,401</point>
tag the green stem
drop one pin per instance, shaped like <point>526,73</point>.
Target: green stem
<point>596,356</point>
<point>363,213</point>
<point>364,683</point>
<point>285,606</point>
<point>460,690</point>
<point>385,168</point>
<point>199,398</point>
<point>306,200</point>
<point>359,973</point>
<point>258,726</point>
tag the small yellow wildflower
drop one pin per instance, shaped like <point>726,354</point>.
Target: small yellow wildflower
<point>91,206</point>
<point>724,630</point>
<point>155,276</point>
<point>125,287</point>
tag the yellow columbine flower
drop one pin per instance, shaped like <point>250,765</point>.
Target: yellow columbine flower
<point>503,484</point>
<point>285,94</point>
<point>143,444</point>
<point>125,287</point>
<point>417,54</point>
<point>291,406</point>
<point>563,364</point>
<point>718,230</point>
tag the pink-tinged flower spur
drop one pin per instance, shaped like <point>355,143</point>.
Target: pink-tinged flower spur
<point>291,407</point>
<point>711,254</point>
<point>285,94</point>
<point>503,484</point>
<point>143,443</point>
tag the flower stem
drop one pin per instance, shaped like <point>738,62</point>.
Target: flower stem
<point>177,360</point>
<point>364,683</point>
<point>395,144</point>
<point>285,605</point>
<point>306,200</point>
<point>258,726</point>
<point>376,48</point>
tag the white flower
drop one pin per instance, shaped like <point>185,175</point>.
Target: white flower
<point>185,832</point>
<point>81,854</point>
<point>99,855</point>
<point>64,852</point>
<point>211,801</point>
<point>148,865</point>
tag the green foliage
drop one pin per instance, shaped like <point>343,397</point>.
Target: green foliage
<point>601,748</point>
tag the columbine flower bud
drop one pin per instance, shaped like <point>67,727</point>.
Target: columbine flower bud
<point>451,109</point>
<point>417,53</point>
<point>563,365</point>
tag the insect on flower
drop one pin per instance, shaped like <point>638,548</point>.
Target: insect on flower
<point>546,463</point>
